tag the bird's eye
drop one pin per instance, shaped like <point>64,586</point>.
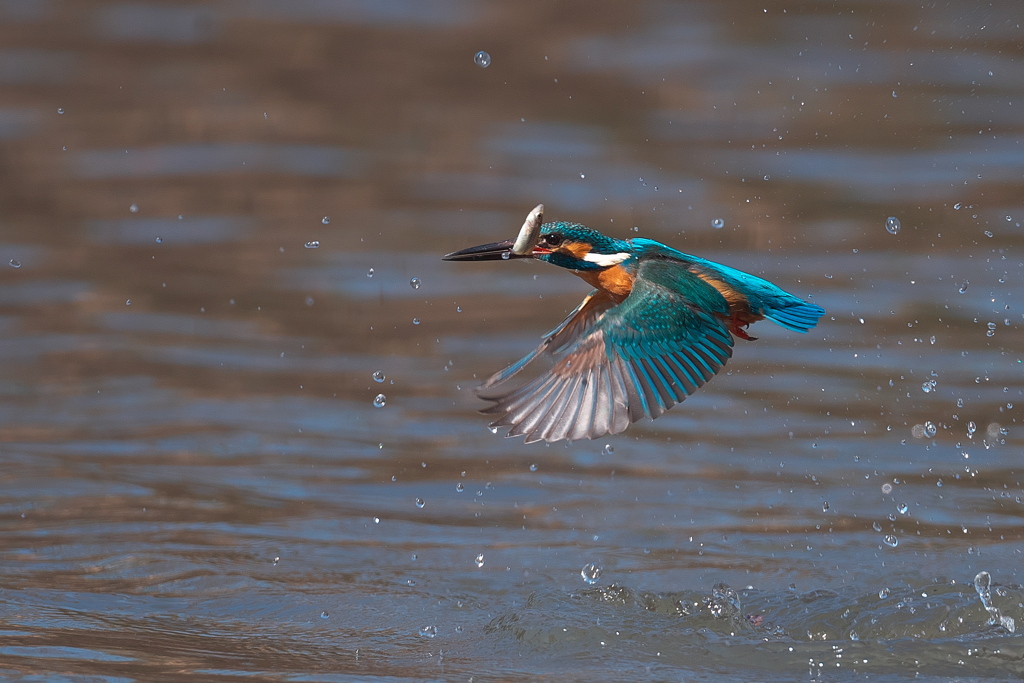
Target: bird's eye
<point>553,240</point>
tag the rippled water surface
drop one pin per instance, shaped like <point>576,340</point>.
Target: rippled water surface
<point>237,431</point>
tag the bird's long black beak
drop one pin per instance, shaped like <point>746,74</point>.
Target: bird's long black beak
<point>495,251</point>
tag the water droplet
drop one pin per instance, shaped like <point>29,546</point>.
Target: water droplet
<point>533,467</point>
<point>894,94</point>
<point>459,488</point>
<point>876,526</point>
<point>902,508</point>
<point>506,255</point>
<point>276,560</point>
<point>479,560</point>
<point>892,225</point>
<point>159,240</point>
<point>428,631</point>
<point>313,244</point>
<point>128,302</point>
<point>415,283</point>
<point>60,110</point>
<point>718,224</point>
<point>824,506</point>
<point>988,233</point>
<point>963,287</point>
<point>608,449</point>
<point>420,503</point>
<point>930,429</point>
<point>971,428</point>
<point>15,263</point>
<point>583,175</point>
<point>379,376</point>
<point>309,301</point>
<point>591,573</point>
<point>482,59</point>
<point>325,220</point>
<point>369,273</point>
<point>380,400</point>
<point>883,594</point>
<point>887,488</point>
<point>957,206</point>
<point>324,615</point>
<point>134,208</point>
<point>891,540</point>
<point>376,520</point>
<point>415,321</point>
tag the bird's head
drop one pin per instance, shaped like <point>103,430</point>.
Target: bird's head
<point>569,245</point>
<point>577,247</point>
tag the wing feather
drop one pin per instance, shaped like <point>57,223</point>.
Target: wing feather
<point>613,363</point>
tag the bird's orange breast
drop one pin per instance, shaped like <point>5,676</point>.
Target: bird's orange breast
<point>614,280</point>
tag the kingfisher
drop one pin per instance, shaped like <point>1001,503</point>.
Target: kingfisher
<point>657,326</point>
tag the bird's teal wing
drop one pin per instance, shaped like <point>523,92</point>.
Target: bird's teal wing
<point>766,299</point>
<point>763,298</point>
<point>613,364</point>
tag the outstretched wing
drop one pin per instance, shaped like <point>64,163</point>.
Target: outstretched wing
<point>613,364</point>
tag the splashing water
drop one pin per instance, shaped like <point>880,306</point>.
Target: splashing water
<point>983,585</point>
<point>591,573</point>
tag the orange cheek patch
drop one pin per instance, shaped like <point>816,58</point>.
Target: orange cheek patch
<point>576,249</point>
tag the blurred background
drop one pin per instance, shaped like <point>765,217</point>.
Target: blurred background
<point>237,431</point>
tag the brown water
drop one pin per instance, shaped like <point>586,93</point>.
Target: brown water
<point>213,213</point>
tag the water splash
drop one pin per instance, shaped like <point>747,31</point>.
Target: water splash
<point>724,602</point>
<point>983,585</point>
<point>591,573</point>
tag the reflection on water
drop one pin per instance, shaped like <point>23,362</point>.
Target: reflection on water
<point>198,473</point>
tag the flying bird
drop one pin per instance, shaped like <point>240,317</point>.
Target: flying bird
<point>658,325</point>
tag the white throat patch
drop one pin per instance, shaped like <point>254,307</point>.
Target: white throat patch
<point>605,260</point>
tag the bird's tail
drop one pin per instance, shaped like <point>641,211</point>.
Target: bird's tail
<point>794,314</point>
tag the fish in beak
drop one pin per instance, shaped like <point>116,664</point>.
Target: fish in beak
<point>521,247</point>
